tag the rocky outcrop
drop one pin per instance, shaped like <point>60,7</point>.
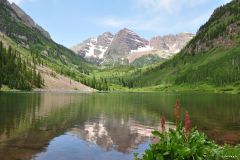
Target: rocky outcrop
<point>171,43</point>
<point>105,39</point>
<point>222,30</point>
<point>5,2</point>
<point>124,42</point>
<point>93,49</point>
<point>126,46</point>
<point>19,15</point>
<point>163,46</point>
<point>108,47</point>
<point>28,21</point>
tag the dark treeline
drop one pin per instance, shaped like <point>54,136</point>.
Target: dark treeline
<point>99,84</point>
<point>220,73</point>
<point>126,82</point>
<point>17,73</point>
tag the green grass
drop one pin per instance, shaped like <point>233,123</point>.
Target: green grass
<point>168,88</point>
<point>7,89</point>
<point>231,152</point>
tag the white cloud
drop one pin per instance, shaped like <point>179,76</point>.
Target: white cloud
<point>135,23</point>
<point>170,5</point>
<point>158,23</point>
<point>167,5</point>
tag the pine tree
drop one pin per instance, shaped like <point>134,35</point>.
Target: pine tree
<point>39,80</point>
<point>1,46</point>
<point>34,78</point>
<point>15,72</point>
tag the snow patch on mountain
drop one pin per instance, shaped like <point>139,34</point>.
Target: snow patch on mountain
<point>143,49</point>
<point>94,48</point>
<point>103,50</point>
<point>126,46</point>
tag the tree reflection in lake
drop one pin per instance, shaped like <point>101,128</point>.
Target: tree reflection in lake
<point>112,126</point>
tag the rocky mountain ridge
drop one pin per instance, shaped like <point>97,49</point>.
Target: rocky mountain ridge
<point>209,62</point>
<point>28,20</point>
<point>20,15</point>
<point>93,49</point>
<point>222,33</point>
<point>126,46</point>
<point>56,64</point>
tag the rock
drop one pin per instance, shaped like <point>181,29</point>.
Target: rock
<point>28,21</point>
<point>93,49</point>
<point>171,43</point>
<point>126,46</point>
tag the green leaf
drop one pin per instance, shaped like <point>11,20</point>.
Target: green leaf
<point>157,134</point>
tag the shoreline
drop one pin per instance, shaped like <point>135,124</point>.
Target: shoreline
<point>115,91</point>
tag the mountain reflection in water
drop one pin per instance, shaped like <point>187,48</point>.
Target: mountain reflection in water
<point>113,126</point>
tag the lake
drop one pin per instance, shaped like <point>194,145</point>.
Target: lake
<point>112,126</point>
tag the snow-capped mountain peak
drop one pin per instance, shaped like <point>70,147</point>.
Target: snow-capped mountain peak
<point>94,49</point>
<point>126,45</point>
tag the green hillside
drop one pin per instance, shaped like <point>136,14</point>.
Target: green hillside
<point>30,42</point>
<point>211,59</point>
<point>17,73</point>
<point>146,60</point>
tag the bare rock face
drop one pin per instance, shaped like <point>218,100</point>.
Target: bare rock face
<point>108,48</point>
<point>93,49</point>
<point>4,2</point>
<point>27,20</point>
<point>126,46</point>
<point>171,43</point>
<point>105,39</point>
<point>125,41</point>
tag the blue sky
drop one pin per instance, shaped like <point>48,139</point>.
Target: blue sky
<point>72,21</point>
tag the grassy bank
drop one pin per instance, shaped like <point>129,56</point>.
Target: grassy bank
<point>7,89</point>
<point>168,88</point>
<point>230,89</point>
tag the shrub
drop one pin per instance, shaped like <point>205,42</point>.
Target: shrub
<point>184,143</point>
<point>179,144</point>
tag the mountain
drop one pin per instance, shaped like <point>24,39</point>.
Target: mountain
<point>210,61</point>
<point>171,43</point>
<point>37,51</point>
<point>221,31</point>
<point>126,46</point>
<point>123,43</point>
<point>19,14</point>
<point>93,49</point>
<point>163,46</point>
<point>146,60</point>
<point>26,19</point>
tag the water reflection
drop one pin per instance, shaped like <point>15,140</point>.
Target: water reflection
<point>120,135</point>
<point>111,126</point>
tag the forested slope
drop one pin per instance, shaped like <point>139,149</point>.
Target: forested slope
<point>16,72</point>
<point>212,57</point>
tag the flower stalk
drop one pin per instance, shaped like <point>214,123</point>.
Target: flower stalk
<point>163,122</point>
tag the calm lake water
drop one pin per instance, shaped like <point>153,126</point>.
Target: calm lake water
<point>111,126</point>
